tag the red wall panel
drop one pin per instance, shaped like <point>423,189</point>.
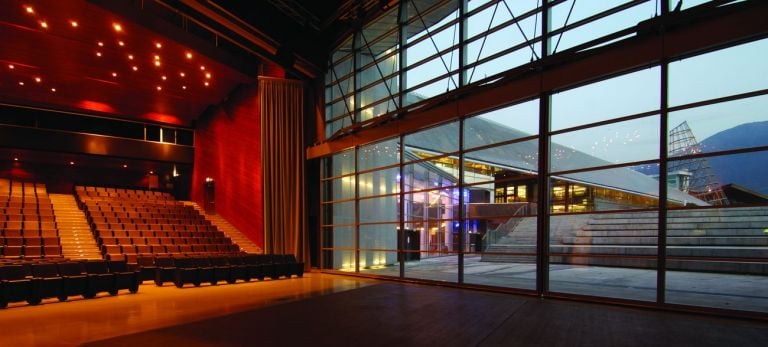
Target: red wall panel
<point>228,150</point>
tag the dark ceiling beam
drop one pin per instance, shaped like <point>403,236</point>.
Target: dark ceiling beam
<point>676,38</point>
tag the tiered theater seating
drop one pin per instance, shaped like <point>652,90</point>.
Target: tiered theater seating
<point>140,223</point>
<point>35,280</point>
<point>27,223</point>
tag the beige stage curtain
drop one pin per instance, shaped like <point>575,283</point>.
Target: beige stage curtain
<point>282,155</point>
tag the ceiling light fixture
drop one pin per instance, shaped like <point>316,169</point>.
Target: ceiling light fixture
<point>180,73</point>
<point>125,165</point>
<point>117,27</point>
<point>189,55</point>
<point>29,9</point>
<point>53,90</point>
<point>158,45</point>
<point>44,24</point>
<point>184,87</point>
<point>159,88</point>
<point>114,74</point>
<point>73,23</point>
<point>10,66</point>
<point>157,63</point>
<point>206,84</point>
<point>135,68</point>
<point>98,54</point>
<point>121,43</point>
<point>164,78</point>
<point>21,83</point>
<point>101,44</point>
<point>202,67</point>
<point>38,79</point>
<point>208,75</point>
<point>71,163</point>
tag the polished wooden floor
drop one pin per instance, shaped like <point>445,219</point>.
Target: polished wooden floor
<point>332,310</point>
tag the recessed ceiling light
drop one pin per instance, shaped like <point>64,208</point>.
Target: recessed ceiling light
<point>73,23</point>
<point>159,88</point>
<point>117,27</point>
<point>98,54</point>
<point>158,45</point>
<point>121,43</point>
<point>29,9</point>
<point>164,78</point>
<point>157,63</point>
<point>180,73</point>
<point>135,68</point>
<point>206,84</point>
<point>21,83</point>
<point>151,172</point>
<point>202,67</point>
<point>10,66</point>
<point>15,159</point>
<point>130,56</point>
<point>157,57</point>
<point>125,165</point>
<point>184,87</point>
<point>53,90</point>
<point>189,55</point>
<point>114,74</point>
<point>101,44</point>
<point>38,79</point>
<point>208,75</point>
<point>71,163</point>
<point>44,24</point>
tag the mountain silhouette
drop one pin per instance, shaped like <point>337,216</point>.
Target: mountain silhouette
<point>749,169</point>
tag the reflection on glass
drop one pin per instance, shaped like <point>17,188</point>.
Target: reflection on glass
<point>616,143</point>
<point>719,127</point>
<point>382,153</point>
<point>379,263</point>
<point>341,260</point>
<point>339,189</point>
<point>729,71</point>
<point>609,255</point>
<point>383,209</point>
<point>504,124</point>
<point>432,142</point>
<point>379,182</point>
<point>625,95</point>
<point>379,236</point>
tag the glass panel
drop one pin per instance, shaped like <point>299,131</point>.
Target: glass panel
<point>625,95</point>
<point>339,189</point>
<point>432,142</point>
<point>435,88</point>
<point>336,90</point>
<point>733,70</point>
<point>515,159</point>
<point>505,38</point>
<point>435,204</point>
<point>686,4</point>
<point>380,182</point>
<point>505,246</point>
<point>615,22</point>
<point>719,127</point>
<point>619,188</point>
<point>431,174</point>
<point>503,63</point>
<point>339,213</point>
<point>737,179</point>
<point>438,66</point>
<point>379,263</point>
<point>341,107</point>
<point>717,257</point>
<point>383,209</point>
<point>427,265</point>
<point>616,143</point>
<point>608,255</point>
<point>382,153</point>
<point>480,22</point>
<point>339,260</point>
<point>339,237</point>
<point>378,109</point>
<point>376,72</point>
<point>343,163</point>
<point>379,236</point>
<point>333,127</point>
<point>504,124</point>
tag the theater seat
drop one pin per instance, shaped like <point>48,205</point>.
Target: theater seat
<point>15,285</point>
<point>47,282</point>
<point>75,280</point>
<point>124,277</point>
<point>185,272</point>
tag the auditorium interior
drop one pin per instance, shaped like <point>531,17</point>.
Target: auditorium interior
<point>379,172</point>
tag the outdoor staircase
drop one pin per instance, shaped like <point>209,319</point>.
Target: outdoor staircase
<point>229,230</point>
<point>732,240</point>
<point>77,241</point>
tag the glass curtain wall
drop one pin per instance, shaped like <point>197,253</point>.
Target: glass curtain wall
<point>654,182</point>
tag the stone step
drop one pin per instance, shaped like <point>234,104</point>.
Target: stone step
<point>677,220</point>
<point>651,250</point>
<point>711,212</point>
<point>688,226</point>
<point>672,232</point>
<point>675,240</point>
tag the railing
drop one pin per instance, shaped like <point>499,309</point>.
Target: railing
<point>493,236</point>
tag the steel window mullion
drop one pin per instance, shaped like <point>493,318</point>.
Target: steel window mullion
<point>542,210</point>
<point>434,44</point>
<point>381,74</point>
<point>661,261</point>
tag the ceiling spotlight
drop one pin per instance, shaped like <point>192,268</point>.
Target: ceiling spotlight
<point>157,57</point>
<point>101,44</point>
<point>184,87</point>
<point>117,27</point>
<point>114,74</point>
<point>151,172</point>
<point>189,55</point>
<point>15,159</point>
<point>130,56</point>
<point>164,78</point>
<point>10,66</point>
<point>38,79</point>
<point>21,83</point>
<point>71,163</point>
<point>159,88</point>
<point>98,54</point>
<point>158,45</point>
<point>208,75</point>
<point>157,63</point>
<point>29,9</point>
<point>135,68</point>
<point>206,84</point>
<point>121,43</point>
<point>180,73</point>
<point>202,67</point>
<point>44,24</point>
<point>125,165</point>
<point>53,90</point>
<point>73,23</point>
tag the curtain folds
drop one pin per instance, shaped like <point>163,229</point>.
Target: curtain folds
<point>282,155</point>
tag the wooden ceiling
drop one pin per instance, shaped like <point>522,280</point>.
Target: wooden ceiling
<point>76,56</point>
